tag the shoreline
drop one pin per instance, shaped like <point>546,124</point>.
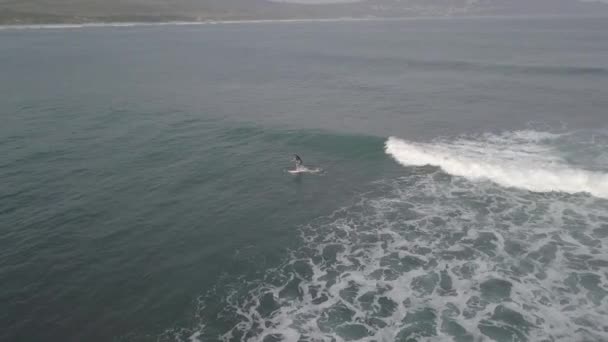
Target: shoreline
<point>178,23</point>
<point>119,24</point>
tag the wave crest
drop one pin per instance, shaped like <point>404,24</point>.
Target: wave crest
<point>514,159</point>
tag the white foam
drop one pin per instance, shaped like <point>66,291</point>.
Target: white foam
<point>177,23</point>
<point>377,244</point>
<point>517,159</point>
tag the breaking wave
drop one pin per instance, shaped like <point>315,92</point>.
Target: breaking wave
<point>521,159</point>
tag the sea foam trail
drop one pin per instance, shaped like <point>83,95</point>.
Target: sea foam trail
<point>519,159</point>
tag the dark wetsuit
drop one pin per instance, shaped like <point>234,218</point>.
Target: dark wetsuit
<point>298,160</point>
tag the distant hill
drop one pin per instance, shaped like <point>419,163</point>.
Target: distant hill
<point>61,11</point>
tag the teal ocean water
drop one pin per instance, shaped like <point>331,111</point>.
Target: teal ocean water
<point>464,193</point>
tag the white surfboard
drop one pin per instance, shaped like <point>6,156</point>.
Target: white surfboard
<point>303,169</point>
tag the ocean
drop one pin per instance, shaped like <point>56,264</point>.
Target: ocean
<point>463,192</point>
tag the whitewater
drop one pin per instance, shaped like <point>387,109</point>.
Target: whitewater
<point>520,159</point>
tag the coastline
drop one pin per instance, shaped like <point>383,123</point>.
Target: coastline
<point>119,24</point>
<point>184,23</point>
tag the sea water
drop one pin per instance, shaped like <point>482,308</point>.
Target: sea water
<point>464,193</point>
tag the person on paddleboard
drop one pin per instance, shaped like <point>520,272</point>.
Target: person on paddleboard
<point>298,161</point>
